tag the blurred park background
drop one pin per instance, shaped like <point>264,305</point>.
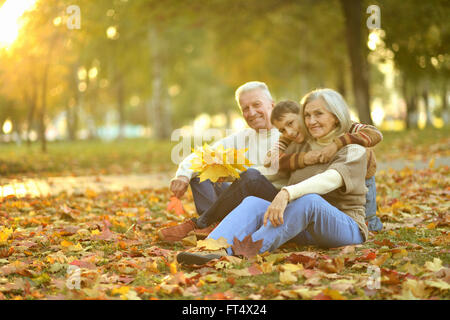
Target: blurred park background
<point>99,86</point>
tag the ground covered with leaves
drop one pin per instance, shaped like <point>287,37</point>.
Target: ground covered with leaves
<point>105,246</point>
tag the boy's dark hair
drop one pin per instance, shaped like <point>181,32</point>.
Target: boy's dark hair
<point>283,107</point>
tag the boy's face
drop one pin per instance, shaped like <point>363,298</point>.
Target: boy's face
<point>289,126</point>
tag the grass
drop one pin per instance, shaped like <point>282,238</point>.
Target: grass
<point>134,156</point>
<point>86,157</point>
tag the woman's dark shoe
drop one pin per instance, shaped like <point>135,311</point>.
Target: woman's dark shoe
<point>200,257</point>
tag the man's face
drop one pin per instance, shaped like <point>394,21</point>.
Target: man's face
<point>289,127</point>
<point>256,108</point>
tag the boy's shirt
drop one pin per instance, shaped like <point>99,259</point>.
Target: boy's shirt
<point>362,134</point>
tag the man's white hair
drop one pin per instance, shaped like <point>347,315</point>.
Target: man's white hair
<point>250,86</point>
<point>335,103</point>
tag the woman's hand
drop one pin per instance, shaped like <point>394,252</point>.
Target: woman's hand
<point>327,153</point>
<point>276,209</point>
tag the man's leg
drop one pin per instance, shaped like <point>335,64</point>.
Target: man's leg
<point>373,222</point>
<point>206,193</point>
<point>251,183</point>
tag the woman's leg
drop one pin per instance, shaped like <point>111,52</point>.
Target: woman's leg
<point>245,219</point>
<point>326,225</point>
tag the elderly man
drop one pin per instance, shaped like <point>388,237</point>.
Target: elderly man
<point>214,201</point>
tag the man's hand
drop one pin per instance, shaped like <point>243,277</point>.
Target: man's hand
<point>179,186</point>
<point>276,209</point>
<point>312,157</point>
<point>327,153</point>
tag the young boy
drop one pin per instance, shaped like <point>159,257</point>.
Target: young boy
<point>285,117</point>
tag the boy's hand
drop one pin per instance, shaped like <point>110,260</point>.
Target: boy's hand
<point>327,153</point>
<point>312,157</point>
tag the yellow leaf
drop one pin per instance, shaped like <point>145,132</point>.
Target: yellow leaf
<point>122,290</point>
<point>95,232</point>
<point>217,163</point>
<point>441,285</point>
<point>431,225</point>
<point>287,277</point>
<point>212,244</point>
<point>212,278</point>
<point>434,266</point>
<point>76,247</point>
<point>173,267</point>
<point>399,253</point>
<point>66,244</point>
<point>190,240</point>
<point>333,294</point>
<point>292,267</point>
<point>417,288</point>
<point>90,193</point>
<point>306,293</point>
<point>4,235</point>
<point>431,163</point>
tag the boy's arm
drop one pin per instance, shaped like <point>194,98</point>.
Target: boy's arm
<point>278,148</point>
<point>362,134</point>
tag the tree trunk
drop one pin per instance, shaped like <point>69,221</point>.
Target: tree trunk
<point>159,114</point>
<point>426,101</point>
<point>410,97</point>
<point>73,108</point>
<point>43,113</point>
<point>353,13</point>
<point>121,106</point>
<point>31,101</point>
<point>445,109</point>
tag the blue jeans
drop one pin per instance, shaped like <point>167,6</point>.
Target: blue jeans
<point>206,193</point>
<point>308,220</point>
<point>373,222</point>
<point>214,201</point>
<point>251,183</point>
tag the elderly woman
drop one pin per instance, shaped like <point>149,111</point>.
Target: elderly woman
<point>322,205</point>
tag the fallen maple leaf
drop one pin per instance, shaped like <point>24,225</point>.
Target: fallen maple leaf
<point>175,204</point>
<point>287,277</point>
<point>4,234</point>
<point>332,266</point>
<point>306,261</point>
<point>333,294</point>
<point>246,247</point>
<point>434,266</point>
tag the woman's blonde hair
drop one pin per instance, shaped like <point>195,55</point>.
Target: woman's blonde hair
<point>334,102</point>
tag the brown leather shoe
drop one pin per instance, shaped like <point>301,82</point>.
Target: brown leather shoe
<point>203,233</point>
<point>177,233</point>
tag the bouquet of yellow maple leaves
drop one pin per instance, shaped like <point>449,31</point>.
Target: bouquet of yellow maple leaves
<point>219,163</point>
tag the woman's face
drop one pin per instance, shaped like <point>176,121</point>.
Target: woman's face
<point>289,126</point>
<point>319,121</point>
